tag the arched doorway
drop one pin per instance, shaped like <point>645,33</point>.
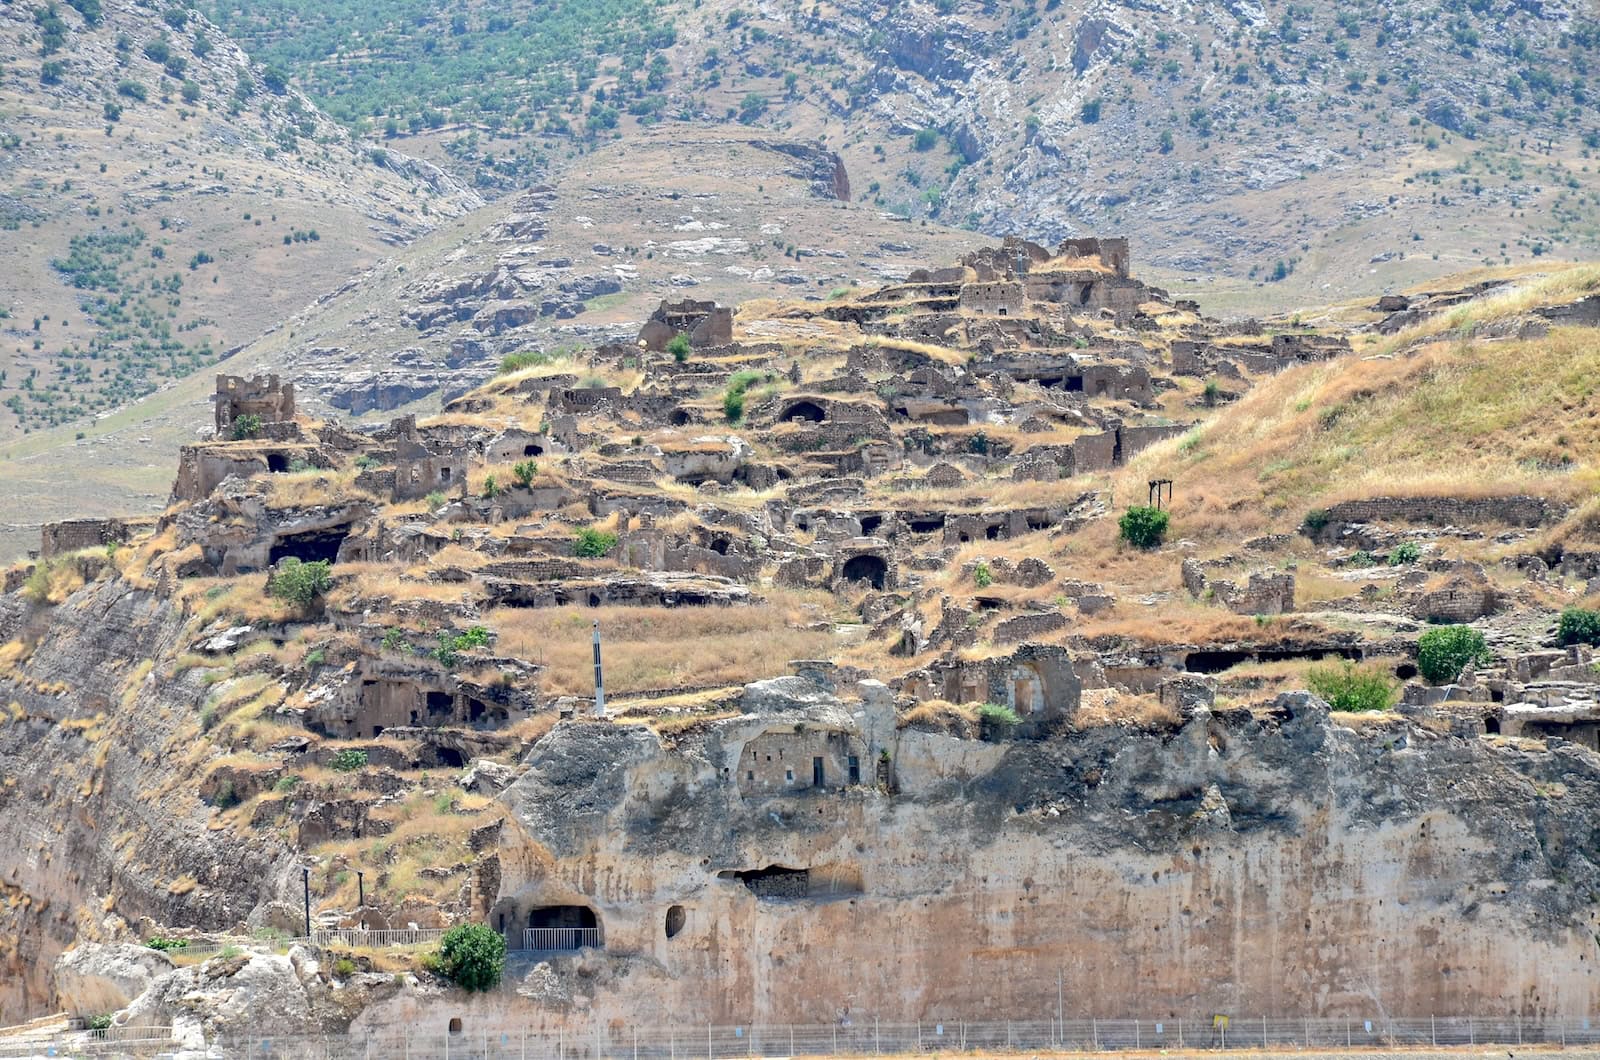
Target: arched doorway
<point>809,411</point>
<point>559,928</point>
<point>867,568</point>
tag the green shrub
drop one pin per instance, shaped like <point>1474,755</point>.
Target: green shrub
<point>51,73</point>
<point>679,347</point>
<point>524,471</point>
<point>1352,688</point>
<point>1442,653</point>
<point>473,956</point>
<point>1314,522</point>
<point>996,721</point>
<point>344,967</point>
<point>1143,527</point>
<point>36,590</point>
<point>159,943</point>
<point>733,405</point>
<point>98,1023</point>
<point>246,426</point>
<point>133,90</point>
<point>349,760</point>
<point>286,784</point>
<point>394,640</point>
<point>982,576</point>
<point>516,362</point>
<point>302,584</point>
<point>451,645</point>
<point>1579,626</point>
<point>1405,552</point>
<point>592,544</point>
<point>491,488</point>
<point>435,500</point>
<point>925,139</point>
<point>1363,558</point>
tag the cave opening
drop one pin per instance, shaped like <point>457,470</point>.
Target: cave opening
<point>867,568</point>
<point>808,411</point>
<point>277,463</point>
<point>678,418</point>
<point>870,524</point>
<point>311,546</point>
<point>676,918</point>
<point>774,881</point>
<point>561,928</point>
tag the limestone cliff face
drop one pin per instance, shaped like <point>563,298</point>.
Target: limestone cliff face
<point>1276,863</point>
<point>96,813</point>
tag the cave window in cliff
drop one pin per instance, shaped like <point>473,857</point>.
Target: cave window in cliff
<point>867,568</point>
<point>927,525</point>
<point>1086,294</point>
<point>678,418</point>
<point>855,770</point>
<point>774,881</point>
<point>311,546</point>
<point>675,920</point>
<point>277,463</point>
<point>455,1024</point>
<point>1491,725</point>
<point>440,703</point>
<point>807,411</point>
<point>720,545</point>
<point>533,450</point>
<point>870,524</point>
<point>450,758</point>
<point>1074,384</point>
<point>561,927</point>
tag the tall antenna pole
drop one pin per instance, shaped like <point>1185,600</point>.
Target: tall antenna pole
<point>599,676</point>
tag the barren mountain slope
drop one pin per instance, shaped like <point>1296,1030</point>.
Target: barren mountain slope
<point>162,204</point>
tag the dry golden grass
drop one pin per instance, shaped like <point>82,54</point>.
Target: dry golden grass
<point>1474,419</point>
<point>1527,292</point>
<point>649,648</point>
<point>1145,711</point>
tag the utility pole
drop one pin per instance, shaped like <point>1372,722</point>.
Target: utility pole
<point>599,676</point>
<point>305,880</point>
<point>361,888</point>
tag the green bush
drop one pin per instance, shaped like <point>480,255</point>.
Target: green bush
<point>473,956</point>
<point>435,500</point>
<point>925,139</point>
<point>98,1023</point>
<point>982,576</point>
<point>524,471</point>
<point>1405,552</point>
<point>133,90</point>
<point>733,405</point>
<point>1352,688</point>
<point>451,645</point>
<point>246,426</point>
<point>1314,522</point>
<point>286,784</point>
<point>159,943</point>
<point>302,584</point>
<point>349,760</point>
<point>344,967</point>
<point>592,544</point>
<point>1143,527</point>
<point>1579,626</point>
<point>996,721</point>
<point>394,640</point>
<point>491,488</point>
<point>516,362</point>
<point>679,347</point>
<point>1442,653</point>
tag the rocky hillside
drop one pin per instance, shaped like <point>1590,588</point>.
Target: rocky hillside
<point>954,628</point>
<point>1353,145</point>
<point>177,200</point>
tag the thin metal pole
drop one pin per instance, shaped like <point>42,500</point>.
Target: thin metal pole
<point>1472,1037</point>
<point>1180,1032</point>
<point>1061,1016</point>
<point>599,676</point>
<point>1433,1031</point>
<point>1263,1032</point>
<point>305,879</point>
<point>875,1048</point>
<point>1519,1028</point>
<point>1094,1029</point>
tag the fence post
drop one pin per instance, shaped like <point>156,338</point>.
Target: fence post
<point>1136,1034</point>
<point>1519,1028</point>
<point>1263,1032</point>
<point>836,1038</point>
<point>1224,1035</point>
<point>708,1041</point>
<point>524,1052</point>
<point>1180,1032</point>
<point>1094,1031</point>
<point>1347,1034</point>
<point>875,1045</point>
<point>1472,1037</point>
<point>1433,1031</point>
<point>919,1040</point>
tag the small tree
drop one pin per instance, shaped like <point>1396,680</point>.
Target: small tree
<point>473,956</point>
<point>679,347</point>
<point>1143,527</point>
<point>524,470</point>
<point>246,426</point>
<point>1352,688</point>
<point>996,721</point>
<point>592,543</point>
<point>301,584</point>
<point>1444,652</point>
<point>1579,626</point>
<point>491,488</point>
<point>349,760</point>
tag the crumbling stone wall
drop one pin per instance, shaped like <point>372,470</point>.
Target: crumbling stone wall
<point>992,299</point>
<point>1516,510</point>
<point>263,396</point>
<point>705,323</point>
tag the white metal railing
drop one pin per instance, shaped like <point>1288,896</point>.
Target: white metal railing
<point>377,938</point>
<point>559,938</point>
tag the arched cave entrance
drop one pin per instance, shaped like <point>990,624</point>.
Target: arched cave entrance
<point>678,418</point>
<point>532,450</point>
<point>311,546</point>
<point>867,568</point>
<point>676,918</point>
<point>809,411</point>
<point>561,928</point>
<point>277,463</point>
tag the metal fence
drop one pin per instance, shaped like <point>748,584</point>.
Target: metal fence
<point>379,938</point>
<point>557,939</point>
<point>446,1036</point>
